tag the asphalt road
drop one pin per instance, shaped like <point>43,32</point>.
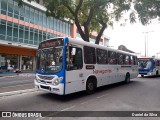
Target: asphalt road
<point>142,94</point>
<point>14,83</point>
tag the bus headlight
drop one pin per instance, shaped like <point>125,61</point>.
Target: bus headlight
<point>56,82</point>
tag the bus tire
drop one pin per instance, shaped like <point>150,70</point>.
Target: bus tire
<point>91,86</point>
<point>127,78</point>
<point>157,73</point>
<point>142,75</point>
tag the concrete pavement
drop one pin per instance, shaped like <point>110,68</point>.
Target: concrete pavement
<point>13,83</point>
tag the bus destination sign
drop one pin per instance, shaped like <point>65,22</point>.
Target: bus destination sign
<point>144,59</point>
<point>51,43</point>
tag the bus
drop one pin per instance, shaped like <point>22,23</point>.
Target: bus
<point>148,66</point>
<point>66,65</point>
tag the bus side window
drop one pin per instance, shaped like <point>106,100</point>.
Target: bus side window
<point>135,60</point>
<point>112,57</point>
<point>75,60</point>
<point>127,60</point>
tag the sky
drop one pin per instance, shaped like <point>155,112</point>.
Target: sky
<point>133,37</point>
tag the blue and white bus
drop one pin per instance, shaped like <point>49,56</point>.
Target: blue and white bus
<point>66,65</point>
<point>148,66</point>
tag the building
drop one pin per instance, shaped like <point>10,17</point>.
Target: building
<point>22,28</point>
<point>124,48</point>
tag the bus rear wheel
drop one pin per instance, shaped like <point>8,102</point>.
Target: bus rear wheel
<point>157,73</point>
<point>127,79</point>
<point>90,86</point>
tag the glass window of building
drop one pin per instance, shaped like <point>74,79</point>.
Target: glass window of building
<point>58,26</point>
<point>40,36</point>
<point>8,62</point>
<point>15,32</point>
<point>51,23</point>
<point>40,22</point>
<point>26,36</point>
<point>4,7</point>
<point>31,34</point>
<point>10,8</point>
<point>21,33</point>
<point>67,28</point>
<point>9,32</point>
<point>22,13</point>
<point>27,63</point>
<point>36,17</point>
<point>31,15</point>
<point>3,29</point>
<point>44,36</point>
<point>27,14</point>
<point>36,37</point>
<point>44,20</point>
<point>16,10</point>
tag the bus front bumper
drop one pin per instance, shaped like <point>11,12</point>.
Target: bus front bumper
<point>59,89</point>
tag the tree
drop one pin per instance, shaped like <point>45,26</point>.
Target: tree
<point>147,10</point>
<point>96,15</point>
<point>88,15</point>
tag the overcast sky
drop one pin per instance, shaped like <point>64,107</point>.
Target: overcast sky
<point>133,37</point>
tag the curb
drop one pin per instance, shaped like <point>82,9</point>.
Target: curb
<point>16,92</point>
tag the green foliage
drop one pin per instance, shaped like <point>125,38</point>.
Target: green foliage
<point>147,10</point>
<point>95,15</point>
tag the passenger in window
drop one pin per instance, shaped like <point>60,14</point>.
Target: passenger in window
<point>78,59</point>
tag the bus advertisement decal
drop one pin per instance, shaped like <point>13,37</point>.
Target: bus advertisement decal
<point>101,71</point>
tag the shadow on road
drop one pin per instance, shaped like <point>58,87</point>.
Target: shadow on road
<point>153,76</point>
<point>82,94</point>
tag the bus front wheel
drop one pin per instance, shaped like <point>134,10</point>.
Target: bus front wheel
<point>142,75</point>
<point>90,86</point>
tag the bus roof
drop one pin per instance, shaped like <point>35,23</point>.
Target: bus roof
<point>82,42</point>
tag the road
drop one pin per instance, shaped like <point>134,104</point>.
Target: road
<point>14,83</point>
<point>142,94</point>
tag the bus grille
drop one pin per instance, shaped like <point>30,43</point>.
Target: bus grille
<point>46,77</point>
<point>44,87</point>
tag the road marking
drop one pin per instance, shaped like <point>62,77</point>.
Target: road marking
<point>102,96</point>
<point>17,85</point>
<point>68,108</point>
<point>56,112</point>
<point>16,92</point>
<point>7,76</point>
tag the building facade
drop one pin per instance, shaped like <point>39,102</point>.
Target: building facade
<point>22,28</point>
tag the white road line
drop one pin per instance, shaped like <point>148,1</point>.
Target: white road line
<point>68,108</point>
<point>102,96</point>
<point>56,112</point>
<point>16,85</point>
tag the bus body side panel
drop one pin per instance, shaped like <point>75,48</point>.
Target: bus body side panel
<point>134,71</point>
<point>106,74</point>
<point>74,81</point>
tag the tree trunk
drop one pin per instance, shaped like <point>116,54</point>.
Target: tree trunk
<point>98,38</point>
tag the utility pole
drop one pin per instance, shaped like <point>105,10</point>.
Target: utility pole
<point>146,42</point>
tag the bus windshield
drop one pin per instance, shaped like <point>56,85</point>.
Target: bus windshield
<point>145,64</point>
<point>49,60</point>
